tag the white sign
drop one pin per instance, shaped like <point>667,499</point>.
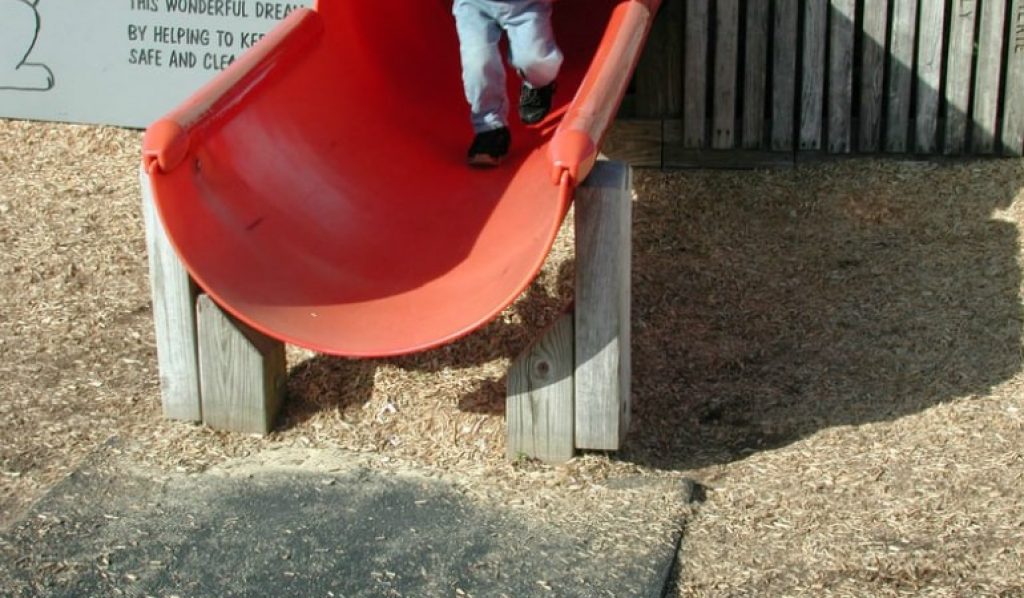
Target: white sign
<point>120,62</point>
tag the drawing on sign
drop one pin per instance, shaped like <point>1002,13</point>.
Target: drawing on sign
<point>19,28</point>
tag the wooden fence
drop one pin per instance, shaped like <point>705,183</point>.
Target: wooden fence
<point>749,82</point>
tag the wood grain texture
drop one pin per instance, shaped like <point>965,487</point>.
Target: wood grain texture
<point>901,75</point>
<point>602,308</point>
<point>637,142</point>
<point>987,75</point>
<point>1013,99</point>
<point>755,74</point>
<point>174,318</point>
<point>928,75</point>
<point>959,68</point>
<point>874,25</point>
<point>931,32</point>
<point>812,89</point>
<point>541,394</point>
<point>840,78</point>
<point>677,156</point>
<point>695,75</point>
<point>727,17</point>
<point>242,372</point>
<point>659,74</point>
<point>784,55</point>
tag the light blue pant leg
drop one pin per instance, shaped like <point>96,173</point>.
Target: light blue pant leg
<point>532,48</point>
<point>483,73</point>
<point>534,53</point>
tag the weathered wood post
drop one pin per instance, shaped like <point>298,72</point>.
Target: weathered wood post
<point>213,368</point>
<point>571,389</point>
<point>602,306</point>
<point>541,396</point>
<point>568,391</point>
<point>174,318</point>
<point>243,372</point>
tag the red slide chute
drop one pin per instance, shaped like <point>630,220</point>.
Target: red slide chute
<point>317,189</point>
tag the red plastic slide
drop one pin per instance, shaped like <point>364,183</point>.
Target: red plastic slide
<point>317,189</point>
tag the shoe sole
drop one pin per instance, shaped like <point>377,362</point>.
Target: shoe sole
<point>484,161</point>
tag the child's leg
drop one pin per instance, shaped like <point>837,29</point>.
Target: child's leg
<point>534,53</point>
<point>483,73</point>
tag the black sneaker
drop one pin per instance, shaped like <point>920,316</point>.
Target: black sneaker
<point>489,147</point>
<point>535,103</point>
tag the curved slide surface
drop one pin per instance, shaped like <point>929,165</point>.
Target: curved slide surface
<point>317,189</point>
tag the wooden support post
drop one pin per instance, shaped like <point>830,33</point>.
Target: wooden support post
<point>212,368</point>
<point>174,318</point>
<point>602,309</point>
<point>570,390</point>
<point>540,396</point>
<point>242,372</point>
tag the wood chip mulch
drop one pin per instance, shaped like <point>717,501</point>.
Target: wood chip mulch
<point>833,352</point>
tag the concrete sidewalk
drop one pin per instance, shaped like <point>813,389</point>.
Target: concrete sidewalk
<point>320,524</point>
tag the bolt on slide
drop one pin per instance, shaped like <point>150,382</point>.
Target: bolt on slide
<point>317,189</point>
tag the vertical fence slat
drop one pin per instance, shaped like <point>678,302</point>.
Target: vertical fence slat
<point>901,74</point>
<point>986,79</point>
<point>812,90</point>
<point>727,17</point>
<point>840,87</point>
<point>695,78</point>
<point>875,23</point>
<point>784,47</point>
<point>958,74</point>
<point>1013,99</point>
<point>755,74</point>
<point>659,84</point>
<point>929,74</point>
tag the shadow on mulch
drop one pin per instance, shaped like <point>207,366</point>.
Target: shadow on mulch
<point>334,383</point>
<point>770,305</point>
